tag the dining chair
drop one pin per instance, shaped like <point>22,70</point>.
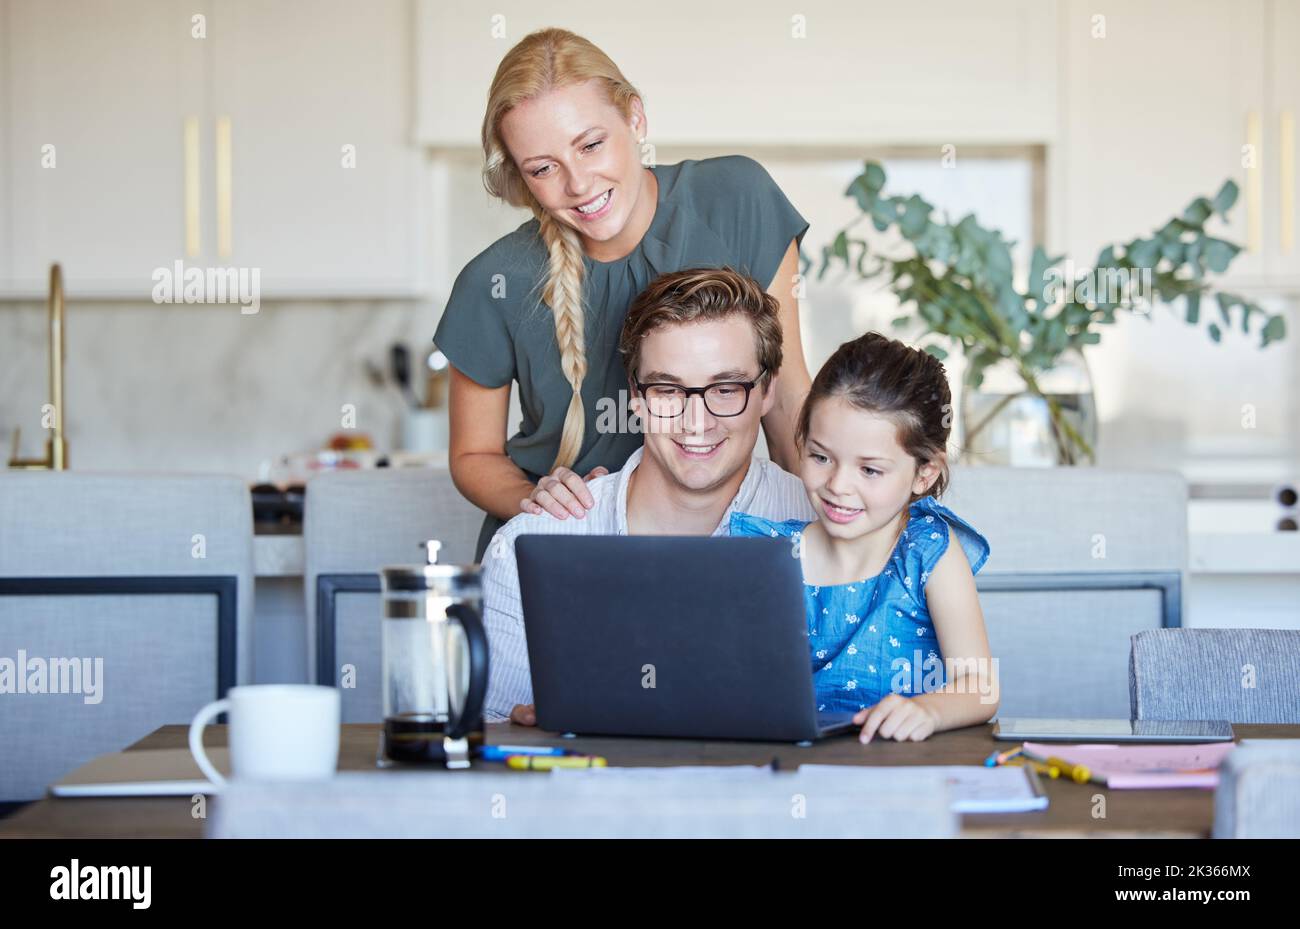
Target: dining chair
<point>1258,795</point>
<point>1081,559</point>
<point>354,524</point>
<point>126,603</point>
<point>1241,675</point>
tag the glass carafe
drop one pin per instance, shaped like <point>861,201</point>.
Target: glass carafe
<point>435,662</point>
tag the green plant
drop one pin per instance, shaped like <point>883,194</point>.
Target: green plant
<point>959,276</point>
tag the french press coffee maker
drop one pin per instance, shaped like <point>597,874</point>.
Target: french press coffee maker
<point>435,662</point>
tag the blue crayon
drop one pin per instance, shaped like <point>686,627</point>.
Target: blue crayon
<point>502,752</point>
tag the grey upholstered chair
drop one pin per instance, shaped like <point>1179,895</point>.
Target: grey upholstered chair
<point>1258,796</point>
<point>1082,558</point>
<point>354,523</point>
<point>143,583</point>
<point>1241,675</point>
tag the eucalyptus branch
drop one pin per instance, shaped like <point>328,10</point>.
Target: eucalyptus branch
<point>1055,311</point>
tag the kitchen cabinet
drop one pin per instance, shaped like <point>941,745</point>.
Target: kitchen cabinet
<point>6,214</point>
<point>96,99</point>
<point>323,170</point>
<point>1282,248</point>
<point>822,72</point>
<point>1173,98</point>
<point>273,138</point>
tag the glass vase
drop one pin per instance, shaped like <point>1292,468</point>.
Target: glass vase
<point>1051,421</point>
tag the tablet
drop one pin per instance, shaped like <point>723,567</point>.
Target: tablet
<point>1035,729</point>
<point>149,772</point>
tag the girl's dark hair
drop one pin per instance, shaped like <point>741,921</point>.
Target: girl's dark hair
<point>883,376</point>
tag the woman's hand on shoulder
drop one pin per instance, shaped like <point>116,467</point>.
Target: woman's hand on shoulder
<point>561,493</point>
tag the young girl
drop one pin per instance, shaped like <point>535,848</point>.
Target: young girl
<point>887,593</point>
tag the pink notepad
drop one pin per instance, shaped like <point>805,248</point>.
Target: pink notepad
<point>1140,767</point>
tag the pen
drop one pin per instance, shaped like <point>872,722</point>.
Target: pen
<point>1034,783</point>
<point>549,762</point>
<point>502,752</point>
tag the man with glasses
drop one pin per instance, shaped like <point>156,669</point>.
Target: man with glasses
<point>702,348</point>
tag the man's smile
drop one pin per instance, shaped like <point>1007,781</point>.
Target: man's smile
<point>696,450</point>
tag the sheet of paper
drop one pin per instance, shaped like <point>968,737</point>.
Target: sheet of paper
<point>1143,767</point>
<point>974,788</point>
<point>1136,759</point>
<point>981,790</point>
<point>708,772</point>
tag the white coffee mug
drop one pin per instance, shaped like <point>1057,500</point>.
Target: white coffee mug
<point>278,732</point>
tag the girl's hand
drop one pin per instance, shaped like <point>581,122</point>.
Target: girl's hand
<point>525,714</point>
<point>562,492</point>
<point>898,718</point>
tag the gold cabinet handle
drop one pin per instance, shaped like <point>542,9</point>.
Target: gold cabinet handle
<point>1286,185</point>
<point>1254,184</point>
<point>224,236</point>
<point>190,143</point>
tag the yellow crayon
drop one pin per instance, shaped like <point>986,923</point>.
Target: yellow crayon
<point>1078,773</point>
<point>547,762</point>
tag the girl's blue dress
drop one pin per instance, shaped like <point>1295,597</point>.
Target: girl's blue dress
<point>875,637</point>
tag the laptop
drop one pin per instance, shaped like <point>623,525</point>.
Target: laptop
<point>670,636</point>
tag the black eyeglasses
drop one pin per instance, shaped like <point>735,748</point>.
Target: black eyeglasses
<point>723,398</point>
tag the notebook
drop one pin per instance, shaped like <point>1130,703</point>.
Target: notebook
<point>971,788</point>
<point>155,772</point>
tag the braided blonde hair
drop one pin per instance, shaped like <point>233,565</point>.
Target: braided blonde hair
<point>540,62</point>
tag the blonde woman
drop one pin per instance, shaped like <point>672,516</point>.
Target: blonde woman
<point>544,305</point>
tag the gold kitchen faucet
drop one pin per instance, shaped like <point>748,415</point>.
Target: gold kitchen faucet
<point>56,447</point>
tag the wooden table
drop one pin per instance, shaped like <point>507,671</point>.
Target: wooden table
<point>1074,809</point>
